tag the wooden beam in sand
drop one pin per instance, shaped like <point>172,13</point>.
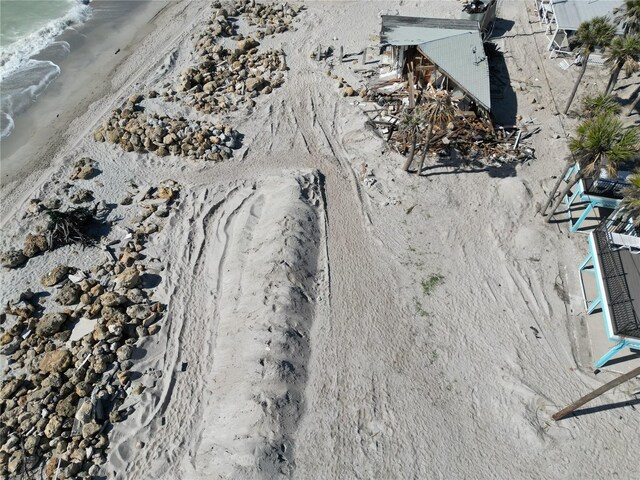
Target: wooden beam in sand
<point>596,393</point>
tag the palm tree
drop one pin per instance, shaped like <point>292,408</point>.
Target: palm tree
<point>570,162</point>
<point>438,111</point>
<point>594,105</point>
<point>628,15</point>
<point>631,199</point>
<point>601,143</point>
<point>597,32</point>
<point>623,52</point>
<point>634,104</point>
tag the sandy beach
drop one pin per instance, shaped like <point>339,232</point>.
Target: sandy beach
<point>298,306</point>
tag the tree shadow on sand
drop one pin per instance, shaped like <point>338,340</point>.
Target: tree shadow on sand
<point>450,166</point>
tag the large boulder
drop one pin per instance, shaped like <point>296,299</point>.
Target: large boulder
<point>55,276</point>
<point>35,244</point>
<point>129,278</point>
<point>247,44</point>
<point>254,84</point>
<point>69,294</point>
<point>50,324</point>
<point>55,361</point>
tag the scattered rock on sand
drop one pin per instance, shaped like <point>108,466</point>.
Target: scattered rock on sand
<point>82,196</point>
<point>83,169</point>
<point>35,244</point>
<point>247,44</point>
<point>136,130</point>
<point>124,353</point>
<point>254,84</point>
<point>55,276</point>
<point>53,426</point>
<point>90,429</point>
<point>112,299</point>
<point>13,258</point>
<point>69,294</point>
<point>9,344</point>
<point>15,462</point>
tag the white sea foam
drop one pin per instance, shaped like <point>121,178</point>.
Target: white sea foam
<point>18,53</point>
<point>6,125</point>
<point>23,78</point>
<point>21,88</point>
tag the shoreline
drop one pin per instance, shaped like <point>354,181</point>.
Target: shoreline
<point>85,76</point>
<point>265,315</point>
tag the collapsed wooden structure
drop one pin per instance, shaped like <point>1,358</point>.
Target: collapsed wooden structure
<point>441,52</point>
<point>420,58</point>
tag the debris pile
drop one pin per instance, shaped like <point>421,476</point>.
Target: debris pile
<point>469,136</point>
<point>135,130</point>
<point>58,227</point>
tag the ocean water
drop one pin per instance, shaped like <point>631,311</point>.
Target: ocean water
<point>27,28</point>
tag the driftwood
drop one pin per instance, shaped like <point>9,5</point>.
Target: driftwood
<point>72,226</point>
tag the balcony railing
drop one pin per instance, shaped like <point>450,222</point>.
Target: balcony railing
<point>624,319</point>
<point>602,187</point>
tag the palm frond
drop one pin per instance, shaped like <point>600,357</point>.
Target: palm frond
<point>594,33</point>
<point>603,142</point>
<point>628,16</point>
<point>594,105</point>
<point>631,198</point>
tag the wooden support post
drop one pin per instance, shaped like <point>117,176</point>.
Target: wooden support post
<point>319,53</point>
<point>596,393</point>
<point>364,56</point>
<point>341,54</point>
<point>412,97</point>
<point>392,127</point>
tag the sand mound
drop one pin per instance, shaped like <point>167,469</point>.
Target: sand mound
<point>242,280</point>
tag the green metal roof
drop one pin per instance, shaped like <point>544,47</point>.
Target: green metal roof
<point>454,45</point>
<point>461,57</point>
<point>398,30</point>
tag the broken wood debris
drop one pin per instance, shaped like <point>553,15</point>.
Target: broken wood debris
<point>469,134</point>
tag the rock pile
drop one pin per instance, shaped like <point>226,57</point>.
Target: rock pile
<point>269,18</point>
<point>219,25</point>
<point>58,412</point>
<point>226,79</point>
<point>223,78</point>
<point>133,129</point>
